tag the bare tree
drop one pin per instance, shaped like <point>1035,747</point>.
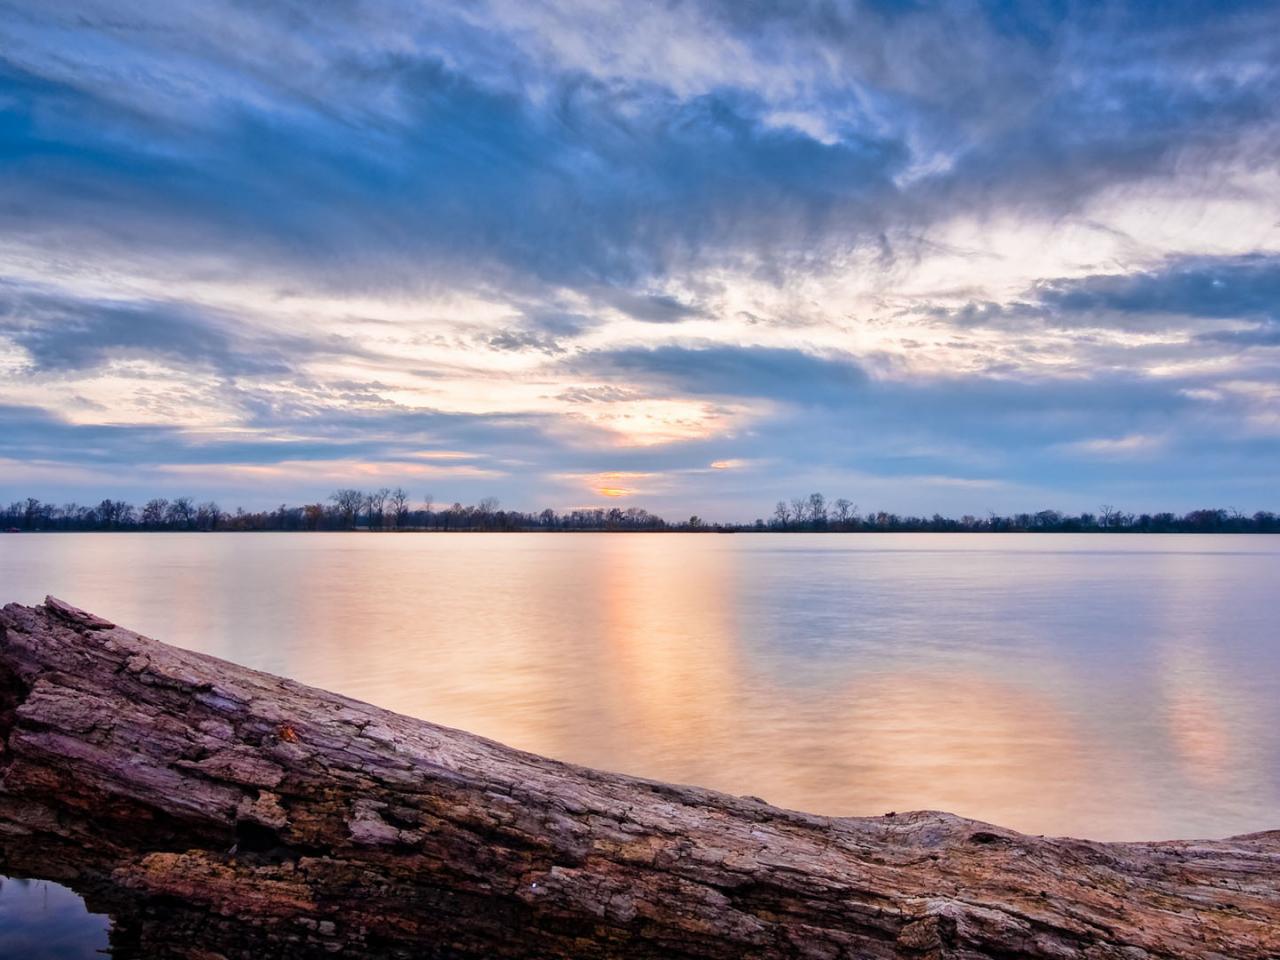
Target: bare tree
<point>1048,520</point>
<point>106,511</point>
<point>208,516</point>
<point>348,502</point>
<point>153,513</point>
<point>455,515</point>
<point>313,515</point>
<point>843,510</point>
<point>181,513</point>
<point>818,509</point>
<point>1108,515</point>
<point>400,506</point>
<point>428,502</point>
<point>799,510</point>
<point>375,505</point>
<point>782,514</point>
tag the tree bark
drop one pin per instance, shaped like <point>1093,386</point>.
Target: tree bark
<point>223,812</point>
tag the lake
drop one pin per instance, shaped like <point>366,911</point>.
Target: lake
<point>1106,686</point>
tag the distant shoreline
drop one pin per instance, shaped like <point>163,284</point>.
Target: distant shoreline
<point>391,511</point>
<point>707,529</point>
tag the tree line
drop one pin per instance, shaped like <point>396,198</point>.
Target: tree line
<point>387,509</point>
<point>345,509</point>
<point>815,512</point>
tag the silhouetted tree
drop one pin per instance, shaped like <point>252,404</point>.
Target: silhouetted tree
<point>313,515</point>
<point>154,513</point>
<point>208,516</point>
<point>799,510</point>
<point>817,510</point>
<point>485,513</point>
<point>181,514</point>
<point>348,502</point>
<point>375,504</point>
<point>843,508</point>
<point>782,515</point>
<point>1048,520</point>
<point>400,506</point>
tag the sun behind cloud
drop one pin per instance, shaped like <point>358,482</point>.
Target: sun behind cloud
<point>614,484</point>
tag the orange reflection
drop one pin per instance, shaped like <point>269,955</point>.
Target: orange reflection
<point>668,638</point>
<point>1194,714</point>
<point>945,742</point>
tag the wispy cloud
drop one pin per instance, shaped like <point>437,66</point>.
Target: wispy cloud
<point>1116,448</point>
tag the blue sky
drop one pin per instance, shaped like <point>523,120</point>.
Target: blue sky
<point>692,256</point>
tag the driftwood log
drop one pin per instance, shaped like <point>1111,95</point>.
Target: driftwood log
<point>223,812</point>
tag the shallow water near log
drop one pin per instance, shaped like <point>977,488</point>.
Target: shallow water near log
<point>40,920</point>
<point>1114,687</point>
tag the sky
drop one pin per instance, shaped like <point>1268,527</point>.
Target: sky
<point>689,256</point>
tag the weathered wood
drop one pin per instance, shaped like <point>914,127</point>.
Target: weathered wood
<point>225,812</point>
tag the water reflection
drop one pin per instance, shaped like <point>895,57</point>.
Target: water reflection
<point>1112,687</point>
<point>40,920</point>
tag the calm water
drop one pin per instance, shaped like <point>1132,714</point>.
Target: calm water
<point>45,921</point>
<point>1110,687</point>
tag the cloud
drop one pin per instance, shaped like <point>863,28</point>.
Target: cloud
<point>62,333</point>
<point>35,434</point>
<point>651,308</point>
<point>592,184</point>
<point>606,393</point>
<point>525,340</point>
<point>733,371</point>
<point>335,146</point>
<point>335,472</point>
<point>1241,288</point>
<point>1208,303</point>
<point>1116,448</point>
<point>869,242</point>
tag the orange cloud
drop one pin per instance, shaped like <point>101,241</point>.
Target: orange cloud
<point>445,455</point>
<point>334,471</point>
<point>612,484</point>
